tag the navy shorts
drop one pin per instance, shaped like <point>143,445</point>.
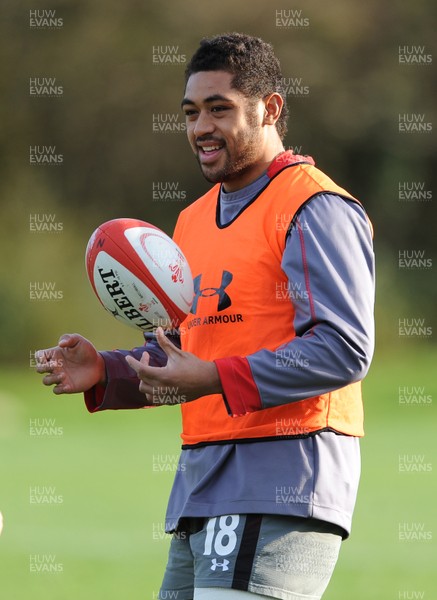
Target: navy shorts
<point>290,558</point>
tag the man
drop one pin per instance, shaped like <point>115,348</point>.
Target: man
<point>279,336</point>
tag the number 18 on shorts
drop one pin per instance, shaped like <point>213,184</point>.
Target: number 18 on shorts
<point>276,556</point>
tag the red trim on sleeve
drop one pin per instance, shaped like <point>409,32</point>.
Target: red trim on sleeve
<point>239,387</point>
<point>94,398</point>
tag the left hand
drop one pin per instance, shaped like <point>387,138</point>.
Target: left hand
<point>184,378</point>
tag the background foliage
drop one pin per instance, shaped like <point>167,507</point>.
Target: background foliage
<point>102,124</point>
<point>348,57</point>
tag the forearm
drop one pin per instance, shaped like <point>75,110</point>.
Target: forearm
<point>184,378</point>
<point>121,388</point>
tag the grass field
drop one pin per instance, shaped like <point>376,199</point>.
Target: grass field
<point>84,496</point>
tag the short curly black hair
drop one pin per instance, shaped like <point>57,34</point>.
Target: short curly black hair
<point>252,61</point>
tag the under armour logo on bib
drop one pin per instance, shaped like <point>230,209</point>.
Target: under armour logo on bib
<point>224,300</point>
<point>223,565</point>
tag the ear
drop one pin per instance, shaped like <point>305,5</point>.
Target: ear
<point>273,104</point>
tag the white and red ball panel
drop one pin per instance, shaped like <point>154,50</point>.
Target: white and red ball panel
<point>139,274</point>
<point>164,259</point>
<point>126,297</point>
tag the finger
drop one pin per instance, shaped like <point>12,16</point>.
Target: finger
<point>42,361</point>
<point>44,356</point>
<point>139,366</point>
<point>50,365</point>
<point>146,389</point>
<point>133,363</point>
<point>145,359</point>
<point>44,368</point>
<point>63,388</point>
<point>168,346</point>
<point>69,340</point>
<point>53,378</point>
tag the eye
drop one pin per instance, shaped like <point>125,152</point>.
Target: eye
<point>219,108</point>
<point>190,113</point>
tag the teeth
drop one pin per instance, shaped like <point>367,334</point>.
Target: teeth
<point>210,148</point>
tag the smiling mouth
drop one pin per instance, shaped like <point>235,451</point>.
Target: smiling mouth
<point>209,148</point>
<point>208,152</point>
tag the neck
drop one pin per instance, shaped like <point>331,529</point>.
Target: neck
<point>254,171</point>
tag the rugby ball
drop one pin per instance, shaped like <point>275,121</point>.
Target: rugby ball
<point>139,274</point>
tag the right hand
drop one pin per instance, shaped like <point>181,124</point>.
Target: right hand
<point>73,366</point>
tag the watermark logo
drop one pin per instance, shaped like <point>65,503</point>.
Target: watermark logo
<point>414,532</point>
<point>291,290</point>
<point>159,533</point>
<point>45,87</point>
<point>412,191</point>
<point>44,223</point>
<point>167,395</point>
<point>286,494</point>
<point>293,86</point>
<point>414,123</point>
<point>44,19</point>
<point>171,326</point>
<point>33,363</point>
<point>167,191</point>
<point>288,427</point>
<point>45,563</point>
<point>168,123</point>
<point>414,259</point>
<point>53,363</point>
<point>284,222</point>
<point>298,150</point>
<point>284,159</point>
<point>44,291</point>
<point>168,55</point>
<point>413,396</point>
<point>45,156</point>
<point>411,595</point>
<point>45,428</point>
<point>414,55</point>
<point>288,358</point>
<point>164,463</point>
<point>44,494</point>
<point>286,562</point>
<point>288,18</point>
<point>166,595</point>
<point>414,328</point>
<point>414,463</point>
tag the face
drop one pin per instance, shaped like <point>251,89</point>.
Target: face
<point>224,129</point>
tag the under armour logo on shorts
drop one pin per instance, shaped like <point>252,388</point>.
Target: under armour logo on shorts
<point>223,565</point>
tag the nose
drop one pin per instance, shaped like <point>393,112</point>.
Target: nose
<point>204,124</point>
